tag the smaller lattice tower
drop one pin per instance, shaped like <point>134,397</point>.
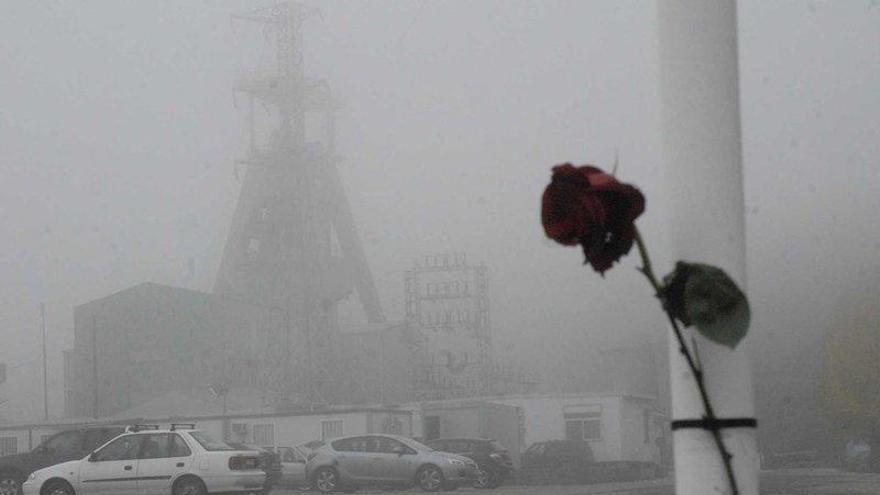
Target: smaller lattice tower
<point>447,300</point>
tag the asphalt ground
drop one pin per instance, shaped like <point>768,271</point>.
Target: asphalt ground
<point>783,482</point>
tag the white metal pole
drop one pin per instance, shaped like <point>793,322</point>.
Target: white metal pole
<point>699,89</point>
<point>45,366</point>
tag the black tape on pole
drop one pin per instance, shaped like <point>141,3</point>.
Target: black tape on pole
<point>716,424</point>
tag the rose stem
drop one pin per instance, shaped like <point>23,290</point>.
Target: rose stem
<point>696,369</point>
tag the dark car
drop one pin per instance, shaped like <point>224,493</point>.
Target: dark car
<point>270,462</point>
<point>293,465</point>
<point>493,461</point>
<point>61,447</point>
<point>571,461</point>
<point>555,461</point>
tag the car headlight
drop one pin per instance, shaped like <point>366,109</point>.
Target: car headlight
<point>456,462</point>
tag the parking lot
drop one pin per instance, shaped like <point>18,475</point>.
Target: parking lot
<point>782,482</point>
<point>640,487</point>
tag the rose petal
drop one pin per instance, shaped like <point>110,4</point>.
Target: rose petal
<point>584,205</point>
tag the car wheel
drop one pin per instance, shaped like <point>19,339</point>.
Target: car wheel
<point>189,486</point>
<point>430,478</point>
<point>10,483</point>
<point>326,480</point>
<point>483,478</point>
<point>57,488</point>
<point>496,481</point>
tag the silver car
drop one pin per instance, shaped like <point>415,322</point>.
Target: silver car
<point>350,462</point>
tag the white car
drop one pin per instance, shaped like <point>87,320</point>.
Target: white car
<point>153,461</point>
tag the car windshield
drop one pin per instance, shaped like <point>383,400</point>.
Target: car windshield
<point>313,445</point>
<point>210,443</point>
<point>288,454</point>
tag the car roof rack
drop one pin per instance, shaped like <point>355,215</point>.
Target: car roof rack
<point>137,428</point>
<point>183,426</point>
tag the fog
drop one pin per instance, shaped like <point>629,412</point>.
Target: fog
<point>119,130</point>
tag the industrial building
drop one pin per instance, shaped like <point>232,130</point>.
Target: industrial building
<point>142,342</point>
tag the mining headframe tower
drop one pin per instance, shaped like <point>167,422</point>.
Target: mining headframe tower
<point>293,247</point>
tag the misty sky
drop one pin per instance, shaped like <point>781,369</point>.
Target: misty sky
<point>118,131</point>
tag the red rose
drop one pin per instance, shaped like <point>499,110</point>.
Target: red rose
<point>586,206</point>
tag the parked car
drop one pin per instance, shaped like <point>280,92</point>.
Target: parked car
<point>60,447</point>
<point>311,446</point>
<point>351,462</point>
<point>154,462</point>
<point>493,461</point>
<point>557,461</point>
<point>571,461</point>
<point>293,465</point>
<point>270,463</point>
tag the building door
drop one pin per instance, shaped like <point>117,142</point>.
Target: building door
<point>431,427</point>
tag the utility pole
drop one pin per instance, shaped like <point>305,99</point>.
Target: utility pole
<point>220,390</point>
<point>45,368</point>
<point>702,152</point>
<point>96,404</point>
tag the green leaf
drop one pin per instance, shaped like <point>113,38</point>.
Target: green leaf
<point>706,297</point>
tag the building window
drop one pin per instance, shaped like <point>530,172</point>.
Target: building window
<point>331,429</point>
<point>392,425</point>
<point>8,446</point>
<point>264,435</point>
<point>240,430</point>
<point>583,423</point>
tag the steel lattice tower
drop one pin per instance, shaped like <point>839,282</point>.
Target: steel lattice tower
<point>293,246</point>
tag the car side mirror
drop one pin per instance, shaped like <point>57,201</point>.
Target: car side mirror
<point>399,451</point>
<point>93,457</point>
